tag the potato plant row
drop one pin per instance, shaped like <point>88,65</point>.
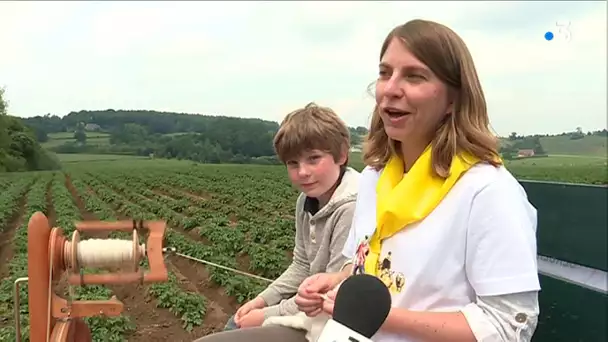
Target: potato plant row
<point>189,307</point>
<point>35,200</point>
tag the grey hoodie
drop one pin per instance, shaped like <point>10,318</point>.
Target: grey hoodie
<point>320,237</point>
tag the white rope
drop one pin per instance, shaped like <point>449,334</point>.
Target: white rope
<point>173,251</point>
<point>104,252</point>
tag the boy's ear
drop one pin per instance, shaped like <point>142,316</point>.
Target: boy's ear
<point>343,157</point>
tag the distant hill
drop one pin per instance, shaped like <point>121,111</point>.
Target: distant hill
<point>572,143</point>
<point>590,145</point>
<point>203,138</point>
<point>207,138</point>
<point>221,139</point>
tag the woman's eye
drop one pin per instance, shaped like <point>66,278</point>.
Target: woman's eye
<point>416,77</point>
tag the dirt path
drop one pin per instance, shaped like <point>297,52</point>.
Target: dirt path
<point>219,306</point>
<point>6,246</point>
<point>152,323</point>
<point>6,237</point>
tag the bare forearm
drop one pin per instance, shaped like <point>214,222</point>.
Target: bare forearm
<point>429,326</point>
<point>344,273</point>
<point>346,270</point>
<point>286,285</point>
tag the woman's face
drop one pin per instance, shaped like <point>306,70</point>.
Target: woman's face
<point>411,99</point>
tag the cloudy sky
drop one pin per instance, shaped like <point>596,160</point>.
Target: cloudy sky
<point>265,59</point>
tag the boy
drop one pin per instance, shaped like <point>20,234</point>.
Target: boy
<point>313,143</point>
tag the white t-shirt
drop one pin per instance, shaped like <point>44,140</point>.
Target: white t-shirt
<point>479,241</point>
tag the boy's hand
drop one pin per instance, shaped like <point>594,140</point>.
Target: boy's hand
<point>256,303</point>
<point>253,318</point>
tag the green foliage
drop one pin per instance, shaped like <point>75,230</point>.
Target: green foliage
<point>19,148</point>
<point>209,139</point>
<point>3,103</point>
<point>80,135</point>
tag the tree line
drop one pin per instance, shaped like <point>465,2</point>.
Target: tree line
<point>574,135</point>
<point>202,138</point>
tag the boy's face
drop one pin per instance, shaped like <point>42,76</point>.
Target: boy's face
<point>314,173</point>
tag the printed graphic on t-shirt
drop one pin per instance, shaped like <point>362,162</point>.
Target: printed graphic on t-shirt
<point>393,280</point>
<point>360,255</point>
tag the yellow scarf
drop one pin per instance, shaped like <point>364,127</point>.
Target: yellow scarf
<point>403,199</point>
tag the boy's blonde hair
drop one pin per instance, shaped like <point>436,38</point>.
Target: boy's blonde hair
<point>465,130</point>
<point>312,128</point>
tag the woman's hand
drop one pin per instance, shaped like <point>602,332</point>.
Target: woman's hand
<point>256,303</point>
<point>328,303</point>
<point>309,299</point>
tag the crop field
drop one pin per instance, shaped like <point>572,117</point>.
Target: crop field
<point>237,216</point>
<point>562,168</point>
<point>240,216</point>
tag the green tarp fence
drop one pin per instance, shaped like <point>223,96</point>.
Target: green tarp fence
<point>572,261</point>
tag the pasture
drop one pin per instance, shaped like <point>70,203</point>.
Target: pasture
<point>93,138</point>
<point>240,216</point>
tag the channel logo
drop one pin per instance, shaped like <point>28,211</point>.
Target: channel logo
<point>560,32</point>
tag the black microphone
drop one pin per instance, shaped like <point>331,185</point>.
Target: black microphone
<point>361,307</point>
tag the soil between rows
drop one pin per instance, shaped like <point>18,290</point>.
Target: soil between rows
<point>152,323</point>
<point>6,248</point>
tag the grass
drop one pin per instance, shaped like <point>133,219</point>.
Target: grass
<point>567,169</point>
<point>560,161</point>
<point>93,138</point>
<point>572,161</point>
<point>81,157</point>
<point>560,168</point>
<point>589,145</point>
<point>70,135</point>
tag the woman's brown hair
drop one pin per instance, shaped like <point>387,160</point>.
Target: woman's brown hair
<point>464,130</point>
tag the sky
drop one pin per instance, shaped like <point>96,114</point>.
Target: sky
<point>265,59</point>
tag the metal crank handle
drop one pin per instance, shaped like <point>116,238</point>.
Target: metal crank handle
<point>17,308</point>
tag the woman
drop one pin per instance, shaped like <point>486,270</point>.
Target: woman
<point>452,232</point>
<point>456,225</point>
